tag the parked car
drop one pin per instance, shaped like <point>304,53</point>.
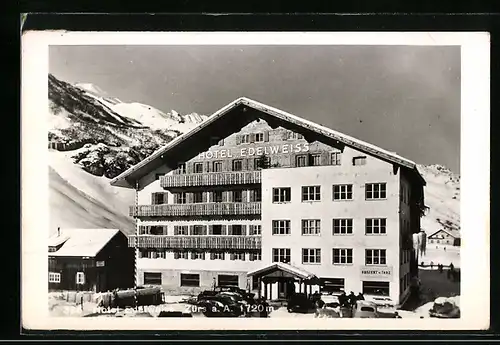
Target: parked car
<point>386,307</point>
<point>220,306</point>
<point>444,309</point>
<point>300,302</point>
<point>229,290</point>
<point>365,310</point>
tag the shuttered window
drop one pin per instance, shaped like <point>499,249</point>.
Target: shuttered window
<point>152,278</point>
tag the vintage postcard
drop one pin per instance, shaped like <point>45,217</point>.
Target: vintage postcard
<point>232,177</point>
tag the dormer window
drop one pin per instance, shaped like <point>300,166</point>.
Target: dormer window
<point>259,137</point>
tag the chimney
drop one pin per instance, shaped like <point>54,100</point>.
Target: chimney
<point>58,231</point>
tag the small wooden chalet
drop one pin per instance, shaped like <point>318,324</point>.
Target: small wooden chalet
<point>446,237</point>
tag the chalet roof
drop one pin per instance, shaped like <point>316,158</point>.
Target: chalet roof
<point>453,233</point>
<point>133,173</point>
<point>81,242</point>
<point>283,267</point>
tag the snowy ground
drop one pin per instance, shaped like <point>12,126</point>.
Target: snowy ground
<point>438,254</point>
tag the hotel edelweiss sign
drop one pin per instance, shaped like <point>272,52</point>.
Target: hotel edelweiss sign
<point>256,151</point>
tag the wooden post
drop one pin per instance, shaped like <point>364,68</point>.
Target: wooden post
<point>260,287</point>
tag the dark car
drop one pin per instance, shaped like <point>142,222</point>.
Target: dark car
<point>247,296</point>
<point>300,302</point>
<point>220,306</point>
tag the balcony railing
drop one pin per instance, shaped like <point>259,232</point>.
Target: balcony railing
<point>211,179</point>
<point>189,210</point>
<point>195,242</point>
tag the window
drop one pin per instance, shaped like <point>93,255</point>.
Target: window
<point>237,230</point>
<point>181,197</point>
<point>161,254</point>
<point>217,230</point>
<point>311,256</point>
<point>190,279</point>
<point>342,226</point>
<point>255,256</point>
<point>181,230</point>
<point>217,166</point>
<point>282,194</point>
<point>311,226</point>
<point>237,196</point>
<point>237,165</point>
<point>281,227</point>
<point>238,256</point>
<point>342,192</point>
<point>217,256</point>
<point>181,255</point>
<point>281,255</point>
<point>152,278</point>
<point>158,230</point>
<point>245,138</point>
<point>157,176</point>
<point>181,168</point>
<point>197,197</point>
<point>255,283</point>
<point>331,285</point>
<point>54,277</point>
<point>80,278</point>
<point>255,195</point>
<point>255,230</point>
<point>375,226</point>
<point>315,160</point>
<point>198,230</point>
<point>311,193</point>
<point>375,257</point>
<point>342,256</point>
<point>375,191</point>
<point>259,137</point>
<point>198,256</point>
<point>227,280</point>
<point>376,288</point>
<point>159,198</point>
<point>359,161</point>
<point>198,167</point>
<point>301,161</point>
<point>217,196</point>
<point>335,158</point>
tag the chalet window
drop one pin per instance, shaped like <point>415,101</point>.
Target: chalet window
<point>198,230</point>
<point>342,192</point>
<point>255,230</point>
<point>375,191</point>
<point>181,197</point>
<point>161,254</point>
<point>315,160</point>
<point>181,230</point>
<point>376,288</point>
<point>281,227</point>
<point>335,158</point>
<point>217,166</point>
<point>197,197</point>
<point>181,255</point>
<point>301,161</point>
<point>80,278</point>
<point>259,137</point>
<point>281,255</point>
<point>311,256</point>
<point>375,257</point>
<point>245,138</point>
<point>216,229</point>
<point>54,277</point>
<point>255,195</point>
<point>359,161</point>
<point>157,230</point>
<point>283,194</point>
<point>227,280</point>
<point>311,226</point>
<point>375,226</point>
<point>237,256</point>
<point>237,196</point>
<point>217,196</point>
<point>237,165</point>
<point>331,285</point>
<point>198,168</point>
<point>152,278</point>
<point>342,256</point>
<point>159,198</point>
<point>198,255</point>
<point>311,193</point>
<point>157,176</point>
<point>237,230</point>
<point>181,168</point>
<point>342,226</point>
<point>257,256</point>
<point>190,279</point>
<point>217,256</point>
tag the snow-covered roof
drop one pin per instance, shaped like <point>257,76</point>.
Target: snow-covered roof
<point>81,242</point>
<point>121,181</point>
<point>453,233</point>
<point>284,267</point>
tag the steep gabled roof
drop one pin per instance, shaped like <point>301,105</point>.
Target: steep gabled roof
<point>452,233</point>
<point>121,180</point>
<point>82,242</point>
<point>283,267</point>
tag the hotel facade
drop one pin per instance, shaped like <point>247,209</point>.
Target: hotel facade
<point>262,199</point>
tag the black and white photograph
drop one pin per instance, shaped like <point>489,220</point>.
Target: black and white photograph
<point>294,181</point>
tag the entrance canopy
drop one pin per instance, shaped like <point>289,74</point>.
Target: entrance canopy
<point>280,269</point>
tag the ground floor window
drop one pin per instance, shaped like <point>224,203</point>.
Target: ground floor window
<point>332,285</point>
<point>190,279</point>
<point>152,278</point>
<point>228,280</point>
<point>376,288</point>
<point>54,277</point>
<point>80,278</point>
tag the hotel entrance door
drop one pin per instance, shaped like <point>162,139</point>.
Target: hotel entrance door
<point>286,287</point>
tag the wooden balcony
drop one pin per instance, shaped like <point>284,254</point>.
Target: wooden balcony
<point>211,179</point>
<point>190,210</point>
<point>195,242</point>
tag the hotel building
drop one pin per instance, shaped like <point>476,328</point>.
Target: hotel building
<point>268,201</point>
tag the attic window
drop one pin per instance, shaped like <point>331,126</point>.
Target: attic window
<point>259,137</point>
<point>181,168</point>
<point>359,161</point>
<point>245,138</point>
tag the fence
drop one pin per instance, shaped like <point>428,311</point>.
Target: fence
<point>74,145</point>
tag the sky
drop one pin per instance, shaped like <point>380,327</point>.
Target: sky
<point>404,99</point>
